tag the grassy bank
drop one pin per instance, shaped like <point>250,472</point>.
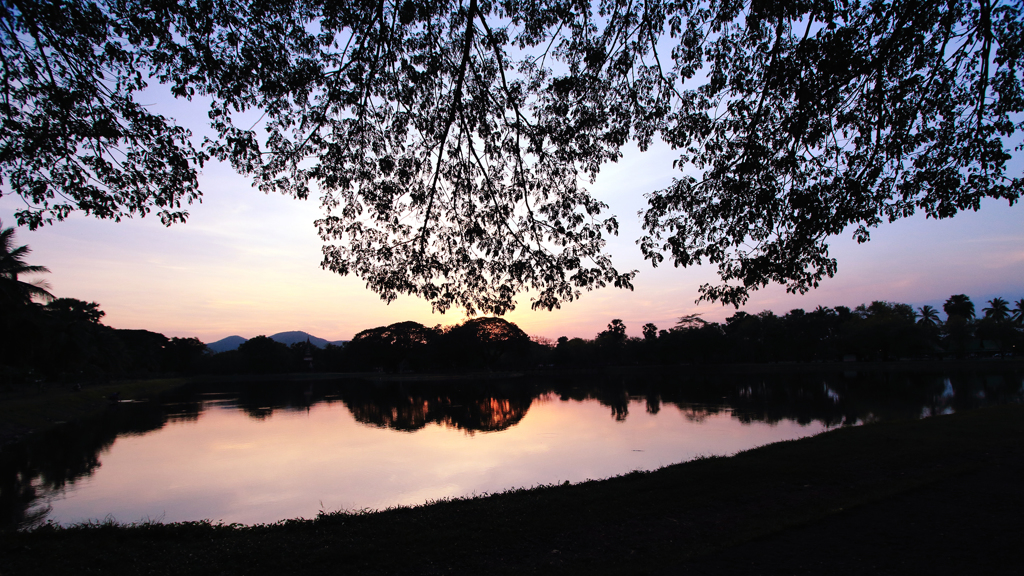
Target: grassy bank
<point>685,518</point>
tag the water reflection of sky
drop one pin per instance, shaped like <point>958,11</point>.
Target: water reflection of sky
<point>227,466</point>
<point>266,451</point>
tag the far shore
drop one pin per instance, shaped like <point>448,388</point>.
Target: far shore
<point>27,409</point>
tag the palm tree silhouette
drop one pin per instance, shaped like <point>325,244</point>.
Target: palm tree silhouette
<point>13,265</point>
<point>1018,313</point>
<point>998,309</point>
<point>959,305</point>
<point>929,316</point>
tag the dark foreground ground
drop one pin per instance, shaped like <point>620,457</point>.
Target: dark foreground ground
<point>938,496</point>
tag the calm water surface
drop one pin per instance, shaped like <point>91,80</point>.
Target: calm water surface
<point>262,452</point>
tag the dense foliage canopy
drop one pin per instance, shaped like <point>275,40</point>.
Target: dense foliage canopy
<point>450,142</point>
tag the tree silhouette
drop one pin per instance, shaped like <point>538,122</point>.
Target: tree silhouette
<point>998,309</point>
<point>488,339</point>
<point>884,330</point>
<point>70,310</point>
<point>614,336</point>
<point>929,316</point>
<point>959,305</point>
<point>959,329</point>
<point>746,336</point>
<point>12,265</point>
<point>930,323</point>
<point>145,352</point>
<point>78,345</point>
<point>21,323</point>
<point>262,355</point>
<point>693,339</point>
<point>611,342</point>
<point>450,140</point>
<point>183,354</point>
<point>388,347</point>
<point>1018,313</point>
<point>616,331</point>
<point>690,321</point>
<point>996,326</point>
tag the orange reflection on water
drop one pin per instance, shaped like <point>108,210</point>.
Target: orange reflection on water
<point>227,465</point>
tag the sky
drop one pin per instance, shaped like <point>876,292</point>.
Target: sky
<point>247,264</point>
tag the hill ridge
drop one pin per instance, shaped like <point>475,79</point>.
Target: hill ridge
<point>288,338</point>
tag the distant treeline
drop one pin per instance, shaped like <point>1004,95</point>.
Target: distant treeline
<point>879,331</point>
<point>64,340</point>
<point>476,344</point>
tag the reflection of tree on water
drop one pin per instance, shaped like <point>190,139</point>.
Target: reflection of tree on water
<point>471,409</point>
<point>830,398</point>
<point>653,404</point>
<point>33,471</point>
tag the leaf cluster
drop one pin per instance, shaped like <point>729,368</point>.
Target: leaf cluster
<point>73,134</point>
<point>820,117</point>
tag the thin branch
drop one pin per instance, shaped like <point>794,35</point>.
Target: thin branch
<point>452,111</point>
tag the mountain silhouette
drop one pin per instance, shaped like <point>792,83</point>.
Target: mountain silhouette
<point>225,344</point>
<point>288,338</point>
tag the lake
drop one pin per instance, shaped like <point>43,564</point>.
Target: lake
<point>263,451</point>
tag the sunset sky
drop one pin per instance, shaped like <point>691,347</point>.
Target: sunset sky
<point>246,263</point>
